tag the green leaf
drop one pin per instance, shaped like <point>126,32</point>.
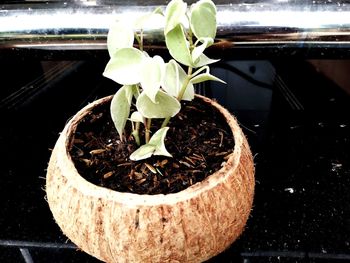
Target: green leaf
<point>158,141</point>
<point>198,51</point>
<point>129,91</point>
<point>135,91</point>
<point>136,117</point>
<point>209,4</point>
<point>189,92</point>
<point>203,19</point>
<point>158,11</point>
<point>155,146</point>
<point>178,45</point>
<point>120,35</point>
<point>152,75</point>
<point>204,68</point>
<point>120,108</point>
<point>144,152</point>
<point>198,78</point>
<point>174,79</point>
<point>174,14</point>
<point>125,66</point>
<point>171,82</point>
<point>204,77</point>
<point>153,20</point>
<point>165,106</point>
<point>204,60</point>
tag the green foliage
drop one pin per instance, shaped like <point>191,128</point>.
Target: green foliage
<point>120,108</point>
<point>174,79</point>
<point>203,28</point>
<point>175,14</point>
<point>136,117</point>
<point>151,76</point>
<point>198,50</point>
<point>155,18</point>
<point>199,77</point>
<point>156,88</point>
<point>119,36</point>
<point>125,66</point>
<point>164,106</point>
<point>155,146</point>
<point>178,45</point>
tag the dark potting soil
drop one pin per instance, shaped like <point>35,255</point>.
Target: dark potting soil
<point>199,140</point>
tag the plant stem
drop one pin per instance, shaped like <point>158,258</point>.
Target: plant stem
<point>189,34</point>
<point>147,130</point>
<point>181,94</point>
<point>184,85</point>
<point>165,122</point>
<point>136,91</point>
<point>187,80</point>
<point>135,133</point>
<point>139,39</point>
<point>189,72</point>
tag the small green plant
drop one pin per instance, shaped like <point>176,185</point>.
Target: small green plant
<point>155,87</point>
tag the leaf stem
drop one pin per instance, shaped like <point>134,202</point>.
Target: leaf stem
<point>136,91</point>
<point>165,122</point>
<point>181,94</point>
<point>183,88</point>
<point>147,130</point>
<point>188,78</point>
<point>135,133</point>
<point>190,37</point>
<point>139,39</point>
<point>189,72</point>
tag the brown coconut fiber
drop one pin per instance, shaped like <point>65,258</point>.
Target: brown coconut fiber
<point>189,226</point>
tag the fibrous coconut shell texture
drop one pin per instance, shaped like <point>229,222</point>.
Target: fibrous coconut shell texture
<point>189,226</point>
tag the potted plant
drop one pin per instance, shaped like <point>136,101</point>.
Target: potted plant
<point>168,176</point>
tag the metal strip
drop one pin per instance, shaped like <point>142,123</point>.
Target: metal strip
<point>83,26</point>
<point>26,255</point>
<point>30,244</point>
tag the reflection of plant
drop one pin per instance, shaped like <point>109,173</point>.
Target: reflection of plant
<point>159,87</point>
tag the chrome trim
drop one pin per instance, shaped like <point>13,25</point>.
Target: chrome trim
<point>84,25</point>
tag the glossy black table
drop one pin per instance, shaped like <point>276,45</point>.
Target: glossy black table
<point>301,144</point>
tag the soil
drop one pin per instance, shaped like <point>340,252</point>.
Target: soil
<point>199,140</point>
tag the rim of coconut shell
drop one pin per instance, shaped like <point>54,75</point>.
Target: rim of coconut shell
<point>133,199</point>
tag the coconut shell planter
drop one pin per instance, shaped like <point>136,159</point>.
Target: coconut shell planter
<point>191,225</point>
<point>154,173</point>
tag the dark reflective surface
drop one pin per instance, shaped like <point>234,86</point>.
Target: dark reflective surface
<point>296,121</point>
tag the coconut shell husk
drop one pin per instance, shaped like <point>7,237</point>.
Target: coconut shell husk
<point>189,226</point>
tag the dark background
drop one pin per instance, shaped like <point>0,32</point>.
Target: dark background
<point>296,120</point>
